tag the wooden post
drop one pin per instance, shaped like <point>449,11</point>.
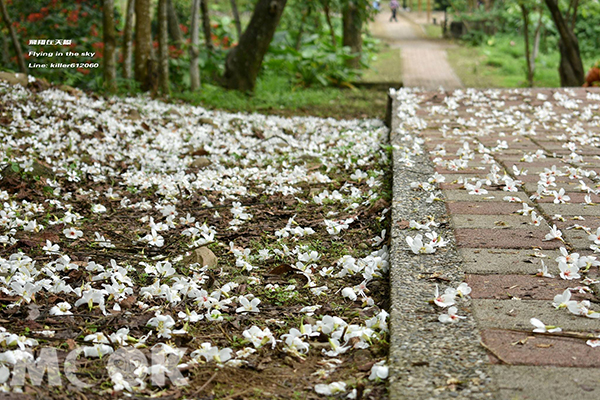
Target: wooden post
<point>420,6</point>
<point>428,11</point>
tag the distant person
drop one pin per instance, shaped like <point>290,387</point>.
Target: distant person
<point>376,6</point>
<point>394,6</point>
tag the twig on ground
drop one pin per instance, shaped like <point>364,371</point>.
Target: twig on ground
<point>205,384</point>
<point>502,360</point>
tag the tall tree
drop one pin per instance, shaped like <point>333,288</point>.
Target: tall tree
<point>14,37</point>
<point>525,13</point>
<point>305,14</point>
<point>531,49</point>
<point>206,25</point>
<point>244,61</point>
<point>570,68</point>
<point>327,11</point>
<point>163,47</point>
<point>143,43</point>
<point>110,45</point>
<point>4,43</point>
<point>174,29</point>
<point>128,39</point>
<point>352,19</point>
<point>194,52</point>
<point>236,18</point>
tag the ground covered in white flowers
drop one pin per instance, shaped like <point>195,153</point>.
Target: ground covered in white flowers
<point>227,254</point>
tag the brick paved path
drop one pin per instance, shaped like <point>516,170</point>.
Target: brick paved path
<point>424,62</point>
<point>553,135</point>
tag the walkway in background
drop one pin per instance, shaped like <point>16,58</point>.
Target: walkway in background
<point>424,62</point>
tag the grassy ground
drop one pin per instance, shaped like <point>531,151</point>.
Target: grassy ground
<point>387,67</point>
<point>500,62</point>
<point>433,31</point>
<point>276,95</point>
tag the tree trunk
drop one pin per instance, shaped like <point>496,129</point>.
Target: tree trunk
<point>305,15</point>
<point>236,18</point>
<point>571,68</point>
<point>110,45</point>
<point>206,25</point>
<point>174,29</point>
<point>143,44</point>
<point>536,41</point>
<point>5,52</point>
<point>163,47</point>
<point>244,61</point>
<point>13,36</point>
<point>352,27</point>
<point>194,53</point>
<point>128,39</point>
<point>329,24</point>
<point>525,12</point>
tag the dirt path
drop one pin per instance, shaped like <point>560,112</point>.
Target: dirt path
<point>424,62</point>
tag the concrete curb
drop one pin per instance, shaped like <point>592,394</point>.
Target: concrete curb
<point>427,359</point>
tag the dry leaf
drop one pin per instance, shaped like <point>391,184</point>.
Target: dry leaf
<point>71,343</point>
<point>403,224</point>
<point>520,342</point>
<point>283,269</point>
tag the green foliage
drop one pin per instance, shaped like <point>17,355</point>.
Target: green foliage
<point>276,94</point>
<point>78,20</point>
<point>506,18</point>
<point>587,28</point>
<point>303,51</point>
<point>500,62</point>
<point>316,63</point>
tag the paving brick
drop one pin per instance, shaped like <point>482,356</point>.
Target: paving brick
<point>535,167</point>
<point>560,180</point>
<point>571,186</point>
<point>515,314</point>
<point>503,261</point>
<point>492,195</point>
<point>589,221</point>
<point>577,238</point>
<point>576,198</point>
<point>478,208</point>
<point>495,222</point>
<point>521,382</point>
<point>539,350</point>
<point>517,157</point>
<point>469,170</point>
<point>509,239</point>
<point>427,67</point>
<point>526,287</point>
<point>570,209</point>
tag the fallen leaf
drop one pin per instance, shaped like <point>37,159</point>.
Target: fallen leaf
<point>403,224</point>
<point>438,276</point>
<point>283,269</point>
<point>34,312</point>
